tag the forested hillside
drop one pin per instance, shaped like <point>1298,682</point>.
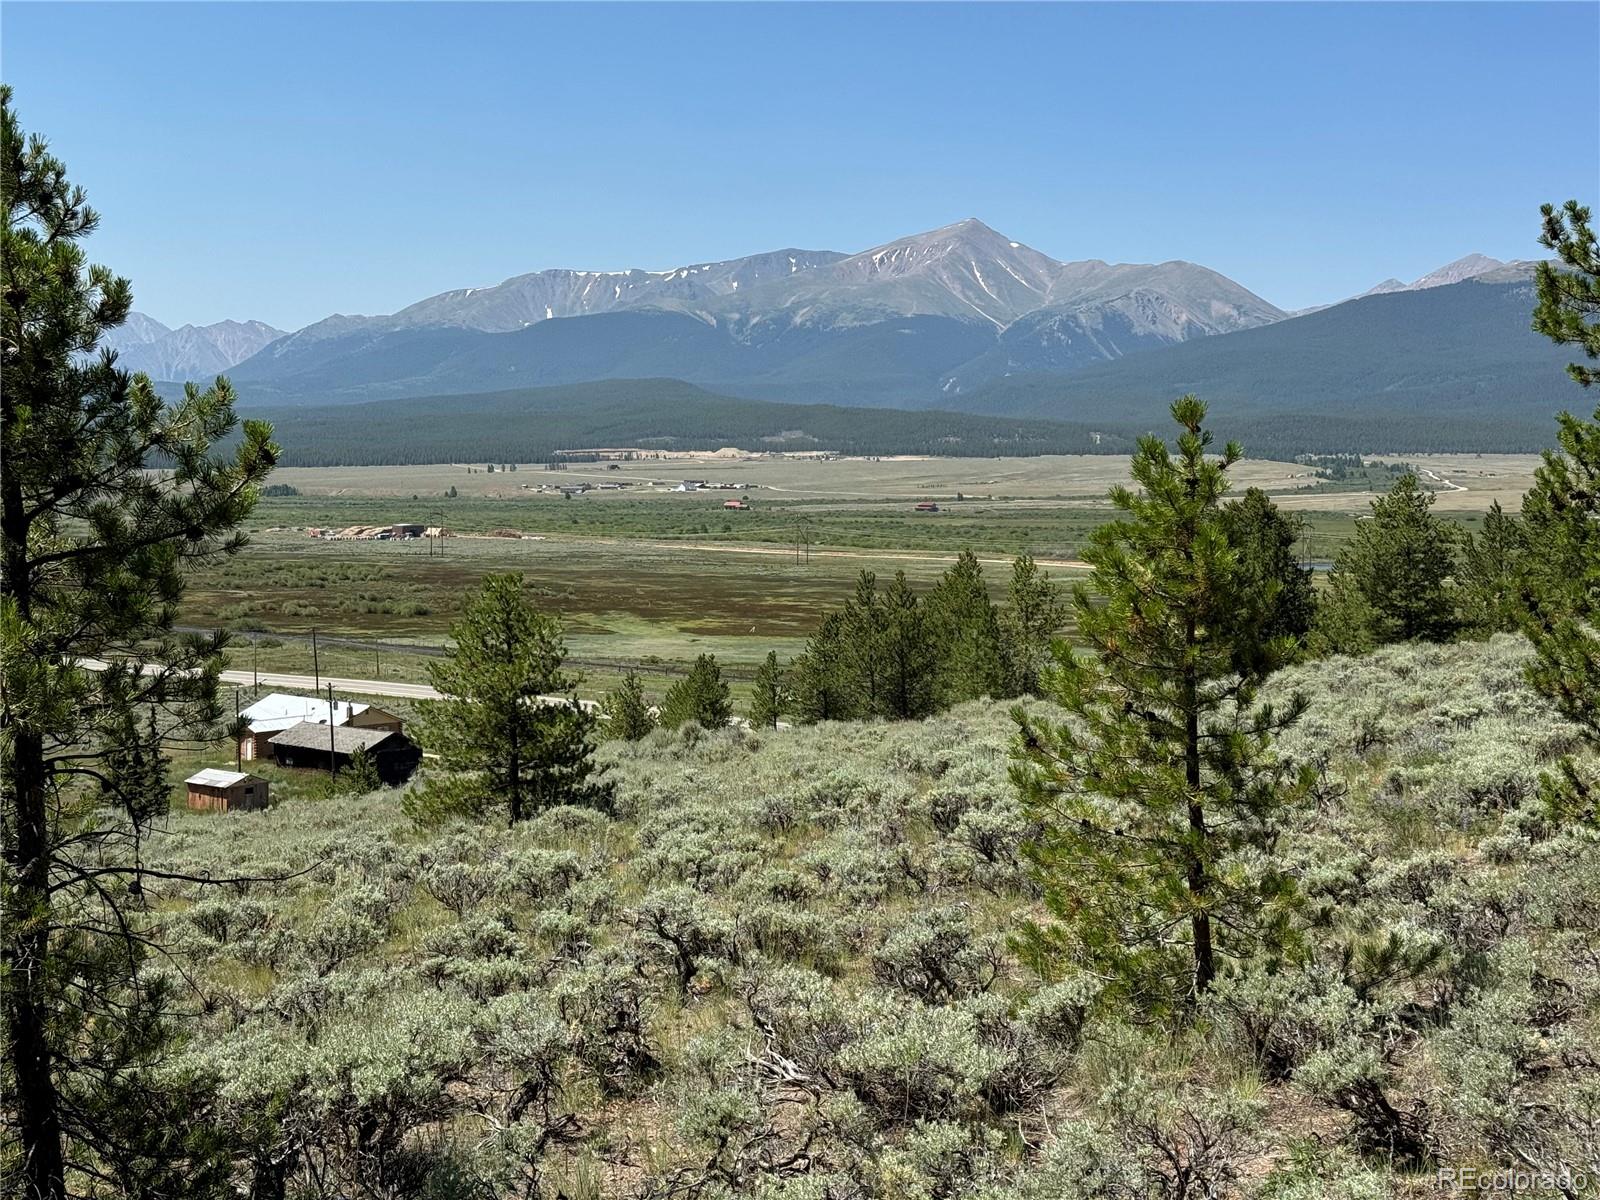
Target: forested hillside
<point>529,425</point>
<point>1454,368</point>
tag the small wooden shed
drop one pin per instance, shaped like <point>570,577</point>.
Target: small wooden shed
<point>226,791</point>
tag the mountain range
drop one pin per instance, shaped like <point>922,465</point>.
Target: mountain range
<point>923,317</point>
<point>958,318</point>
<point>1456,367</point>
<point>190,352</point>
<point>1472,266</point>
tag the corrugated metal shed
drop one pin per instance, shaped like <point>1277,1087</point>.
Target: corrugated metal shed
<point>214,778</point>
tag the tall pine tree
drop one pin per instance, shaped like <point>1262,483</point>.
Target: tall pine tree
<point>1034,615</point>
<point>910,686</point>
<point>1568,311</point>
<point>770,696</point>
<point>823,683</point>
<point>974,654</point>
<point>499,743</point>
<point>1157,797</point>
<point>1561,590</point>
<point>1264,537</point>
<point>95,547</point>
<point>1492,566</point>
<point>865,631</point>
<point>1392,582</point>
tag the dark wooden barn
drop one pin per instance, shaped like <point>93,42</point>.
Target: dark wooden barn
<point>311,745</point>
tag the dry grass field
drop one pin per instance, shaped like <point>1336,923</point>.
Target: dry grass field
<point>1079,478</point>
<point>1465,483</point>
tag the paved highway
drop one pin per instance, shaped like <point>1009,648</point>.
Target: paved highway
<point>365,687</point>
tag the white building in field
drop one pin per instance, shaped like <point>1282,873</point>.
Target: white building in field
<point>278,711</point>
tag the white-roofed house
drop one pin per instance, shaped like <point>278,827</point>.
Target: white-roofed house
<point>277,711</point>
<point>226,791</point>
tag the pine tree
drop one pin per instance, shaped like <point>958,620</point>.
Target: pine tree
<point>628,713</point>
<point>823,688</point>
<point>361,775</point>
<point>499,742</point>
<point>94,550</point>
<point>974,654</point>
<point>1157,797</point>
<point>1561,512</point>
<point>1569,301</point>
<point>770,697</point>
<point>1034,615</point>
<point>1492,564</point>
<point>1392,581</point>
<point>910,685</point>
<point>864,636</point>
<point>1264,538</point>
<point>700,696</point>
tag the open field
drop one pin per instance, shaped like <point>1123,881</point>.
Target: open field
<point>1084,477</point>
<point>622,603</point>
<point>647,577</point>
<point>1465,483</point>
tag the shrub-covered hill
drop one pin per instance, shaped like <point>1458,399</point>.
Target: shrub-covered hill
<point>781,969</point>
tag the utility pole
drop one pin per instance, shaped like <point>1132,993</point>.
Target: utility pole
<point>316,669</point>
<point>377,664</point>
<point>255,664</point>
<point>238,746</point>
<point>333,760</point>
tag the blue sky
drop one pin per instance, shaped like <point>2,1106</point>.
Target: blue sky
<point>286,161</point>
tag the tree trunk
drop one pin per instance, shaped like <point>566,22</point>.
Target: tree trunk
<point>1205,968</point>
<point>516,773</point>
<point>27,951</point>
<point>27,944</point>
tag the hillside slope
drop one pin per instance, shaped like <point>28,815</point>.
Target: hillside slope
<point>795,947</point>
<point>530,424</point>
<point>1454,367</point>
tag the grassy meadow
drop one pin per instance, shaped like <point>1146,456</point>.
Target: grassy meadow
<point>646,577</point>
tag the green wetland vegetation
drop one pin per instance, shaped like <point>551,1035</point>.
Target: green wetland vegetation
<point>648,581</point>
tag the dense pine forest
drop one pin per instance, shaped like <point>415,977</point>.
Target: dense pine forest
<point>530,425</point>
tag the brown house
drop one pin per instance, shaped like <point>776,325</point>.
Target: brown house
<point>310,745</point>
<point>226,791</point>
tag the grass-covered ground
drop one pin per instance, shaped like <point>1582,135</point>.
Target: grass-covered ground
<point>646,577</point>
<point>781,968</point>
